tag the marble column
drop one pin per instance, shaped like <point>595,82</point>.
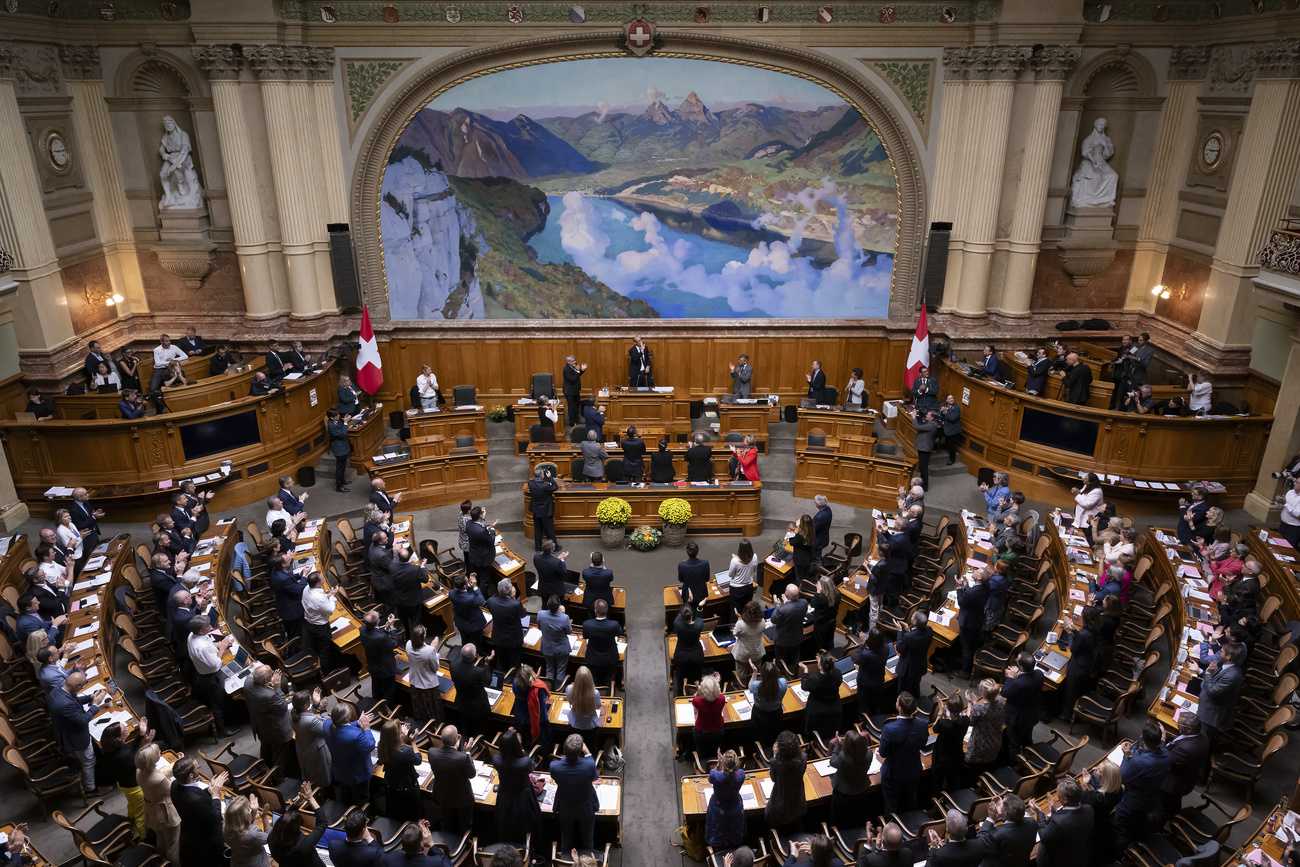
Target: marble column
<point>103,172</point>
<point>1262,183</point>
<point>1283,439</point>
<point>222,66</point>
<point>1051,64</point>
<point>278,68</point>
<point>990,88</point>
<point>949,172</point>
<point>1169,161</point>
<point>38,303</point>
<point>333,195</point>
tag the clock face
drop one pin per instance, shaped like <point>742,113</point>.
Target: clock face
<point>1212,150</point>
<point>58,156</point>
<point>59,152</point>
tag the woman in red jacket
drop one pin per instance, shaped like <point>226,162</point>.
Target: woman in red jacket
<point>746,459</point>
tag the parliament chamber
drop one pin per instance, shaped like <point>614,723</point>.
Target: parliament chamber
<point>901,402</point>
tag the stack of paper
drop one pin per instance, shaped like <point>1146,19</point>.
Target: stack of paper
<point>607,797</point>
<point>685,714</point>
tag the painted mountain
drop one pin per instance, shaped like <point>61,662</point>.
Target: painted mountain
<point>674,209</point>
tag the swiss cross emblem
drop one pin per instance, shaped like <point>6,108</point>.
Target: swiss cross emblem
<point>640,36</point>
<point>825,14</point>
<point>515,14</point>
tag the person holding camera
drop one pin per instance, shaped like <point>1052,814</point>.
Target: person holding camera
<point>926,428</point>
<point>541,494</point>
<point>1198,383</point>
<point>132,404</point>
<point>1120,367</point>
<point>1290,526</point>
<point>1036,372</point>
<point>1140,401</point>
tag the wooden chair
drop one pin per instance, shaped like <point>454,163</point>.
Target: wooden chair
<point>255,534</point>
<point>993,661</point>
<point>354,562</point>
<point>842,563</point>
<point>141,855</point>
<point>1006,780</point>
<point>109,834</point>
<point>1105,712</point>
<point>300,666</point>
<point>1056,760</point>
<point>1244,768</point>
<point>783,844</point>
<point>48,781</point>
<point>565,859</point>
<point>241,767</point>
<point>344,526</point>
<point>454,846</point>
<point>483,854</point>
<point>363,704</point>
<point>1195,826</point>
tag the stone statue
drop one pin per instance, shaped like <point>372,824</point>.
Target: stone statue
<point>1094,182</point>
<point>179,181</point>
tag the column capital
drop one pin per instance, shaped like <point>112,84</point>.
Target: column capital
<point>279,62</point>
<point>1054,62</point>
<point>999,62</point>
<point>218,62</point>
<point>81,62</point>
<point>957,62</point>
<point>1189,62</point>
<point>10,60</point>
<point>320,63</point>
<point>1277,59</point>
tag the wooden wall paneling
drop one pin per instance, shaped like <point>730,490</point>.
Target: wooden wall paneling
<point>13,396</point>
<point>1261,393</point>
<point>719,510</point>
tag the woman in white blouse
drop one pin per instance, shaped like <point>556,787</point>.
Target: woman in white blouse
<point>855,393</point>
<point>427,384</point>
<point>426,696</point>
<point>68,534</point>
<point>1119,544</point>
<point>106,379</point>
<point>1088,500</point>
<point>748,649</point>
<point>1201,388</point>
<point>740,576</point>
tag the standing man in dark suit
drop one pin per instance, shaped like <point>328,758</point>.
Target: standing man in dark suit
<point>742,375</point>
<point>70,718</point>
<point>788,619</point>
<point>950,417</point>
<point>633,456</point>
<point>816,383</point>
<point>638,364</point>
<point>1063,837</point>
<point>971,601</point>
<point>1143,771</point>
<point>602,636</point>
<point>452,770</point>
<point>572,388</point>
<point>1008,839</point>
<point>594,416</point>
<point>1143,352</point>
<point>268,710</point>
<point>597,581</point>
<point>85,517</point>
<point>288,588</point>
<point>699,459</point>
<point>291,503</point>
<point>541,499</point>
<point>96,357</point>
<point>340,447</point>
<point>1221,683</point>
<point>277,364</point>
<point>482,542</point>
<point>380,644</point>
<point>1023,691</point>
<point>508,614</point>
<point>1078,380</point>
<point>409,576</point>
<point>552,574</point>
<point>381,499</point>
<point>913,647</point>
<point>901,742</point>
<point>1188,753</point>
<point>575,777</point>
<point>927,427</point>
<point>1036,377</point>
<point>466,609</point>
<point>471,681</point>
<point>693,575</point>
<point>198,805</point>
<point>821,527</point>
<point>379,559</point>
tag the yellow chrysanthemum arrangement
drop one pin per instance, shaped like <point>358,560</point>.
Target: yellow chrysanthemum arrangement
<point>613,510</point>
<point>675,510</point>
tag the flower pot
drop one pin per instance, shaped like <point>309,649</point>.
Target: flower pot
<point>674,534</point>
<point>611,535</point>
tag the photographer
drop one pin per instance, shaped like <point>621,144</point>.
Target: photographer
<point>1201,388</point>
<point>1140,401</point>
<point>1290,526</point>
<point>1120,371</point>
<point>541,493</point>
<point>132,404</point>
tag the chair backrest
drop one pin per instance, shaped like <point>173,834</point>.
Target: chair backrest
<point>575,469</point>
<point>813,439</point>
<point>464,441</point>
<point>534,434</point>
<point>543,386</point>
<point>1285,686</point>
<point>1276,742</point>
<point>578,434</point>
<point>884,448</point>
<point>1269,608</point>
<point>345,530</point>
<point>10,594</point>
<point>853,542</point>
<point>614,469</point>
<point>254,533</point>
<point>734,437</point>
<point>1280,717</point>
<point>463,395</point>
<point>1285,656</point>
<point>1143,564</point>
<point>832,395</point>
<point>1206,854</point>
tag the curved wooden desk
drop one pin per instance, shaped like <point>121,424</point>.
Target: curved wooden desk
<point>123,461</point>
<point>1031,436</point>
<point>198,394</point>
<point>717,510</point>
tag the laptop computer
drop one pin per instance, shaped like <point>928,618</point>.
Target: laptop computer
<point>844,664</point>
<point>237,667</point>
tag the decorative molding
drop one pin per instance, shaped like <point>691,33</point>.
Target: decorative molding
<point>617,12</point>
<point>985,62</point>
<point>81,62</point>
<point>957,62</point>
<point>1054,62</point>
<point>913,81</point>
<point>1231,69</point>
<point>1278,59</point>
<point>218,62</point>
<point>279,62</point>
<point>1189,62</point>
<point>33,68</point>
<point>6,261</point>
<point>391,119</point>
<point>121,10</point>
<point>364,80</point>
<point>1280,254</point>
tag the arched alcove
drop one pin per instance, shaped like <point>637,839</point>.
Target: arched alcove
<point>1116,85</point>
<point>393,117</point>
<point>159,86</point>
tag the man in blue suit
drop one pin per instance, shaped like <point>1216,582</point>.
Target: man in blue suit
<point>971,602</point>
<point>508,614</point>
<point>597,581</point>
<point>602,636</point>
<point>816,383</point>
<point>595,419</point>
<point>288,589</point>
<point>1023,691</point>
<point>70,718</point>
<point>350,743</point>
<point>30,620</point>
<point>901,742</point>
<point>1143,771</point>
<point>575,779</point>
<point>552,573</point>
<point>360,847</point>
<point>821,528</point>
<point>292,504</point>
<point>340,446</point>
<point>694,574</point>
<point>482,542</point>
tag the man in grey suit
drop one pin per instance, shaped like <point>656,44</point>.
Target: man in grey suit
<point>1220,685</point>
<point>926,428</point>
<point>788,620</point>
<point>593,457</point>
<point>741,375</point>
<point>268,710</point>
<point>379,557</point>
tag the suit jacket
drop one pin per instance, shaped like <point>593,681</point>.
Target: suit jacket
<point>380,560</point>
<point>1008,844</point>
<point>356,853</point>
<point>901,742</point>
<point>788,620</point>
<point>379,645</point>
<point>92,362</point>
<point>597,581</point>
<point>408,583</point>
<point>593,459</point>
<point>822,528</point>
<point>699,463</point>
<point>433,858</point>
<point>556,629</point>
<point>466,611</point>
<point>1078,384</point>
<point>288,589</point>
<point>913,648</point>
<point>30,623</point>
<point>595,420</point>
<point>602,644</point>
<point>339,444</point>
<point>694,575</point>
<point>200,836</point>
<point>1036,379</point>
<point>1142,356</point>
<point>551,575</point>
<point>957,853</point>
<point>633,454</point>
<point>471,688</point>
<point>84,519</point>
<point>507,625</point>
<point>572,381</point>
<point>1064,837</point>
<point>637,358</point>
<point>298,359</point>
<point>1143,773</point>
<point>1023,694</point>
<point>289,502</point>
<point>52,601</point>
<point>970,606</point>
<point>70,720</point>
<point>951,418</point>
<point>270,714</point>
<point>898,858</point>
<point>817,387</point>
<point>541,494</point>
<point>159,811</point>
<point>275,365</point>
<point>350,749</point>
<point>384,502</point>
<point>1187,755</point>
<point>925,433</point>
<point>177,625</point>
<point>349,401</point>
<point>741,378</point>
<point>1218,698</point>
<point>482,547</point>
<point>198,345</point>
<point>452,771</point>
<point>661,467</point>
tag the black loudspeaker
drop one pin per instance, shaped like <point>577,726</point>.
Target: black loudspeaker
<point>936,264</point>
<point>347,291</point>
<point>984,476</point>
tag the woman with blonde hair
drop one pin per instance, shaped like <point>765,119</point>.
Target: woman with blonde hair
<point>748,631</point>
<point>746,460</point>
<point>825,607</point>
<point>247,842</point>
<point>986,712</point>
<point>724,823</point>
<point>159,813</point>
<point>35,643</point>
<point>69,537</point>
<point>586,707</point>
<point>708,702</point>
<point>1102,789</point>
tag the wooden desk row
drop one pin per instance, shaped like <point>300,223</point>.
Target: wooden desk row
<point>862,481</point>
<point>435,474</point>
<point>731,509</point>
<point>563,456</point>
<point>838,422</point>
<point>197,394</point>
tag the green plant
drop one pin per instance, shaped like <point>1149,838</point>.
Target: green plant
<point>497,413</point>
<point>645,538</point>
<point>675,510</point>
<point>614,510</point>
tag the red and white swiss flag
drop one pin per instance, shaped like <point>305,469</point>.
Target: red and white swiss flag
<point>919,354</point>
<point>370,368</point>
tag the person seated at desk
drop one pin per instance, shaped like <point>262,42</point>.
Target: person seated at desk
<point>661,465</point>
<point>989,363</point>
<point>278,364</point>
<point>173,376</point>
<point>418,849</point>
<point>219,363</point>
<point>261,385</point>
<point>699,459</point>
<point>1175,407</point>
<point>276,511</point>
<point>30,621</point>
<point>38,406</point>
<point>131,405</point>
<point>816,852</point>
<point>106,380</point>
<point>191,344</point>
<point>1140,401</point>
<point>300,359</point>
<point>633,456</point>
<point>1036,372</point>
<point>349,397</point>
